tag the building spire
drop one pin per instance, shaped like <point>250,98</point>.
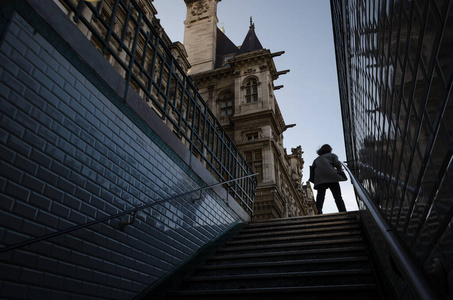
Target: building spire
<point>251,42</point>
<point>252,25</point>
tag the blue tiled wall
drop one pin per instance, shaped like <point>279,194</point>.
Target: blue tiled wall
<point>70,155</point>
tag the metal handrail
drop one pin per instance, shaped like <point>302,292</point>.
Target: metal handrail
<point>408,267</point>
<point>126,212</point>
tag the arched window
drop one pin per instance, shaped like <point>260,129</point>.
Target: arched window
<point>251,90</point>
<point>226,103</point>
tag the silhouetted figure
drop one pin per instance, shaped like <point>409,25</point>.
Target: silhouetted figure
<point>326,169</point>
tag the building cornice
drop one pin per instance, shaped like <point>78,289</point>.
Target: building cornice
<point>263,57</point>
<point>209,76</point>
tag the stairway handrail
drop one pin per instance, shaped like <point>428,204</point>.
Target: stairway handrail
<point>408,267</point>
<point>126,212</point>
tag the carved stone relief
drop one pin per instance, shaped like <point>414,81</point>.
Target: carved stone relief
<point>199,8</point>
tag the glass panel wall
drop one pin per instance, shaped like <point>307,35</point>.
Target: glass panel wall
<point>395,69</point>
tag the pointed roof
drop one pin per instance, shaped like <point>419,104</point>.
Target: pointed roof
<point>224,44</point>
<point>251,41</point>
<point>225,48</point>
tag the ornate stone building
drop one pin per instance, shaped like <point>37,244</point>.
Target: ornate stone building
<point>236,82</point>
<point>238,85</point>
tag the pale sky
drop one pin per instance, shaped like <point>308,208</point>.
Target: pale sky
<point>310,97</point>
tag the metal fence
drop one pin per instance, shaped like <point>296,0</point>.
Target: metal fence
<point>124,33</point>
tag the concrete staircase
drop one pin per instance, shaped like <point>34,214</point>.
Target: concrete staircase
<point>316,257</point>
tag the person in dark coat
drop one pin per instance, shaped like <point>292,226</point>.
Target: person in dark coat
<point>327,166</point>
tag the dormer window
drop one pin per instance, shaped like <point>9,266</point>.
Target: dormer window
<point>251,90</point>
<point>226,59</point>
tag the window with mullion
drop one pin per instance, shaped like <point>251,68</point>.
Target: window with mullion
<point>255,160</point>
<point>226,104</point>
<point>251,91</point>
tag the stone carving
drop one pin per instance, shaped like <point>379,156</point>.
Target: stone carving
<point>199,8</point>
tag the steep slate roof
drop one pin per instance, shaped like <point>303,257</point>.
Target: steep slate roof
<point>251,41</point>
<point>225,47</point>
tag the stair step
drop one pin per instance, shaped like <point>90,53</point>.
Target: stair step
<point>322,264</point>
<point>287,262</point>
<point>286,279</point>
<point>306,219</point>
<point>349,291</point>
<point>288,254</point>
<point>281,275</point>
<point>291,230</point>
<point>333,243</point>
<point>309,227</point>
<point>317,236</point>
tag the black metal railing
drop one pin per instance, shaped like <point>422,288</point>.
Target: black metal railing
<point>122,223</point>
<point>124,34</point>
<point>410,270</point>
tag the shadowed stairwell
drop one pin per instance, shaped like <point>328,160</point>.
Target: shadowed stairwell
<point>316,257</point>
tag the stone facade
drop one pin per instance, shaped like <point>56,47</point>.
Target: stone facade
<point>199,36</point>
<point>238,85</point>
